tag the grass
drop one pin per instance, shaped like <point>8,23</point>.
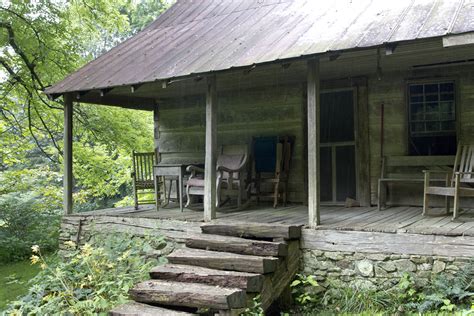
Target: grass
<point>14,278</point>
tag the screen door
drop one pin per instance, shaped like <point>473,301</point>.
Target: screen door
<point>338,163</point>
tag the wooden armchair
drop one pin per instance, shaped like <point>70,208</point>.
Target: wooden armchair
<point>459,181</point>
<point>231,167</point>
<point>142,176</point>
<point>272,156</point>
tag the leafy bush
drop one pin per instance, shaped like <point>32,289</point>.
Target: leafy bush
<point>313,299</point>
<point>305,291</point>
<point>445,294</point>
<point>255,309</point>
<point>89,280</point>
<point>24,222</point>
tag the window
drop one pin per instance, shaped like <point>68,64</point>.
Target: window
<point>432,118</point>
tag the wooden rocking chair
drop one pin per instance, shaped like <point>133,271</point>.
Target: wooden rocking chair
<point>142,176</point>
<point>458,182</point>
<point>272,156</point>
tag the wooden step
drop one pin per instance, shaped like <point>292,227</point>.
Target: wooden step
<point>253,230</point>
<point>237,245</point>
<point>197,295</point>
<point>223,260</point>
<point>250,282</point>
<point>135,309</point>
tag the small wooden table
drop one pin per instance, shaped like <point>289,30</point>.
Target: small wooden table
<point>170,170</point>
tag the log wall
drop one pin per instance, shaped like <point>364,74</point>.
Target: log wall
<point>391,91</point>
<point>275,110</point>
<point>279,109</point>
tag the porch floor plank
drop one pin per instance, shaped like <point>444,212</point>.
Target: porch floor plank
<point>393,219</point>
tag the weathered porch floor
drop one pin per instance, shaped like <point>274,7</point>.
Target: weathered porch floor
<point>401,219</point>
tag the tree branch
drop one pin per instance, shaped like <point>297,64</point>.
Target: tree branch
<point>21,53</point>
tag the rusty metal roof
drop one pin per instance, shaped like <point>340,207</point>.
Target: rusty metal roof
<point>201,36</point>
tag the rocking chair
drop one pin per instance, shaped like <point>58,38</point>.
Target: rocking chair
<point>142,176</point>
<point>272,156</point>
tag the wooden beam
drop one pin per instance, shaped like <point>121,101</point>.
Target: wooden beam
<point>103,92</point>
<point>67,154</point>
<point>135,87</point>
<point>211,150</point>
<point>313,143</point>
<point>124,101</point>
<point>458,39</point>
<point>156,133</point>
<point>402,243</point>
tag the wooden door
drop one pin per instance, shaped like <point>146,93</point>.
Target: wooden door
<point>338,152</point>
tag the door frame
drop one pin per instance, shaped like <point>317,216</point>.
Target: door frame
<point>355,142</point>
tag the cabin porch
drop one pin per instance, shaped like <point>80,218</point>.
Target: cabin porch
<point>397,219</point>
<point>351,245</point>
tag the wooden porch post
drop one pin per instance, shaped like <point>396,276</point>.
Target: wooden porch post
<point>67,154</point>
<point>313,143</point>
<point>211,150</point>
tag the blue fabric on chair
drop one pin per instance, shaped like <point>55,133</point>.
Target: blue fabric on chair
<point>265,153</point>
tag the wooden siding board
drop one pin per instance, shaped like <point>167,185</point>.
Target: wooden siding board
<point>391,91</point>
<point>266,111</point>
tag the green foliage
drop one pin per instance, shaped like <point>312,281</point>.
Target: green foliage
<point>14,278</point>
<point>305,291</point>
<point>445,294</point>
<point>41,42</point>
<point>348,299</point>
<point>256,308</point>
<point>25,221</point>
<point>89,280</point>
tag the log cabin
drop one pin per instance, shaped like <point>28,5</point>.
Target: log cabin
<point>373,93</point>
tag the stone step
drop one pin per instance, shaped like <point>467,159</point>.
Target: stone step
<point>253,230</point>
<point>135,309</point>
<point>250,282</point>
<point>223,260</point>
<point>237,245</point>
<point>170,293</point>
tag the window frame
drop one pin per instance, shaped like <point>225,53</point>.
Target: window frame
<point>430,80</point>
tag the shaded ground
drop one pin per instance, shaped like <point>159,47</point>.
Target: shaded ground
<point>14,279</point>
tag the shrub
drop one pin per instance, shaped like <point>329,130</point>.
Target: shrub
<point>24,222</point>
<point>445,294</point>
<point>255,309</point>
<point>89,280</point>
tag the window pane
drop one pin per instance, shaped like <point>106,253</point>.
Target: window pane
<point>416,98</point>
<point>431,88</point>
<point>432,116</point>
<point>446,107</point>
<point>416,89</point>
<point>448,126</point>
<point>432,126</point>
<point>446,87</point>
<point>418,127</point>
<point>417,112</point>
<point>432,107</point>
<point>432,98</point>
<point>447,97</point>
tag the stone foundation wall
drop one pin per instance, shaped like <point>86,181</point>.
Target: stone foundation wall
<point>368,259</point>
<point>375,270</point>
